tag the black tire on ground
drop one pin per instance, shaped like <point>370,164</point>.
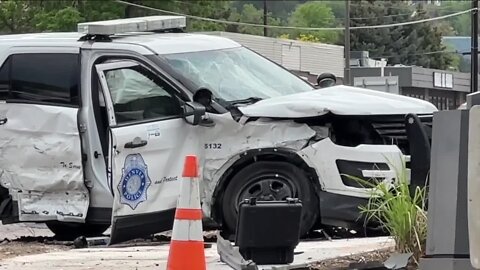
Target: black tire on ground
<point>70,231</point>
<point>270,180</point>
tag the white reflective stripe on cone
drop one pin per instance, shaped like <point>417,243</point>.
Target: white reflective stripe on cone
<point>190,197</point>
<point>187,230</point>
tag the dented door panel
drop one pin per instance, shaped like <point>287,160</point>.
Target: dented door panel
<point>41,162</point>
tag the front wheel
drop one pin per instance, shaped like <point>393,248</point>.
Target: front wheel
<point>71,230</point>
<point>270,181</point>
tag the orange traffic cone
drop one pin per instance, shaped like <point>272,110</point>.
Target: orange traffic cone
<point>186,247</point>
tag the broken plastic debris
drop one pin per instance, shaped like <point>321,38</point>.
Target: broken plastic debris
<point>397,260</point>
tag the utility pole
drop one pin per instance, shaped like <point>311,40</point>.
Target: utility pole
<point>346,74</point>
<point>474,51</point>
<point>265,12</point>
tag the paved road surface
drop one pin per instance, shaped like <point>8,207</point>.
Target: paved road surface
<point>155,257</point>
<point>15,231</point>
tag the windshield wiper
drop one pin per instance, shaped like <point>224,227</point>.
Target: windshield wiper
<point>249,100</point>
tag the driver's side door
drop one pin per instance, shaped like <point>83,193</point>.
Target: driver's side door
<point>148,140</point>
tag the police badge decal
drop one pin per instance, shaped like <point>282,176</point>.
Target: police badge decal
<point>135,181</point>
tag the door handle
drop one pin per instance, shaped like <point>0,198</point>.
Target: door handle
<point>137,142</point>
<point>3,121</point>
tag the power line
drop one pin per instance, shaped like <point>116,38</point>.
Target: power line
<point>295,27</point>
<point>337,18</point>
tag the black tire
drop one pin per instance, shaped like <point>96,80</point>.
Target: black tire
<point>279,173</point>
<point>70,230</point>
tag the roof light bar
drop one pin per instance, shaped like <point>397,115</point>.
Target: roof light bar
<point>141,24</point>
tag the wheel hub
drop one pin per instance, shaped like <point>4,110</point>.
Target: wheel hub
<point>268,188</point>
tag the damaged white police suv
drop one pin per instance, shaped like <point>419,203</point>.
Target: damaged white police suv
<point>95,125</point>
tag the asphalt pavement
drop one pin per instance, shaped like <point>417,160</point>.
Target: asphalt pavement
<point>155,257</point>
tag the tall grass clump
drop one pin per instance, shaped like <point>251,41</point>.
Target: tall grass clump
<point>402,214</point>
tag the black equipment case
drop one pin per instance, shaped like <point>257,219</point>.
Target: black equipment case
<point>268,231</point>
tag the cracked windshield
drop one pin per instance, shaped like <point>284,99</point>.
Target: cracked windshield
<point>237,74</point>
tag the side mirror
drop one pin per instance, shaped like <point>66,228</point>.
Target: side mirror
<point>193,113</point>
<point>326,80</point>
<point>203,96</point>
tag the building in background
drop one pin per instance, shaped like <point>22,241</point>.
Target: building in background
<point>445,89</point>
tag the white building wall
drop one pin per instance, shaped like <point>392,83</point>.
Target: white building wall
<point>315,58</point>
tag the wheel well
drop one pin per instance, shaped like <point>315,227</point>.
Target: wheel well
<point>254,155</point>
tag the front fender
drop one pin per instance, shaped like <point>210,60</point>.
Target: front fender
<point>229,141</point>
<point>334,163</point>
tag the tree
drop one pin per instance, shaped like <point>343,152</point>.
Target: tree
<point>314,14</point>
<point>220,9</point>
<point>460,24</point>
<point>416,44</point>
<point>280,9</point>
<point>338,9</point>
<point>19,16</point>
<point>250,14</point>
<point>65,19</point>
<point>16,16</point>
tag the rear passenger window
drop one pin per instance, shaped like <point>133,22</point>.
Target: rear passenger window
<point>4,81</point>
<point>51,78</point>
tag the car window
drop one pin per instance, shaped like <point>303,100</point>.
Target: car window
<point>51,78</point>
<point>137,94</point>
<point>4,79</point>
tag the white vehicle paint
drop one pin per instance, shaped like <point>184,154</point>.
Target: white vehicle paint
<point>340,100</point>
<point>40,155</point>
<point>140,114</point>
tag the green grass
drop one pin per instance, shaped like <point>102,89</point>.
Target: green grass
<point>402,215</point>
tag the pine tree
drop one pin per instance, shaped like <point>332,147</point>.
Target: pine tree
<point>415,44</point>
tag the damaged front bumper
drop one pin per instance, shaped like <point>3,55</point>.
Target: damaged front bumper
<point>353,171</point>
<point>339,169</point>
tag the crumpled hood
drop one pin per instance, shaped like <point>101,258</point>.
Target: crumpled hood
<point>340,100</point>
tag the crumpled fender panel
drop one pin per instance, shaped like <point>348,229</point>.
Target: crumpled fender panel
<point>41,162</point>
<point>228,138</point>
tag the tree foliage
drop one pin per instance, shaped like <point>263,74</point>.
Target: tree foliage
<point>410,45</point>
<point>250,14</point>
<point>460,25</point>
<point>314,14</point>
<point>416,44</point>
<point>16,16</point>
<point>280,9</point>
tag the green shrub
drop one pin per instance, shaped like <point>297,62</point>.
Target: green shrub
<point>403,216</point>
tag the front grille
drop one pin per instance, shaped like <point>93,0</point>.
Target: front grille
<point>391,130</point>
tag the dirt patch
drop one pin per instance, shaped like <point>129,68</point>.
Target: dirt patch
<point>29,246</point>
<point>345,262</point>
